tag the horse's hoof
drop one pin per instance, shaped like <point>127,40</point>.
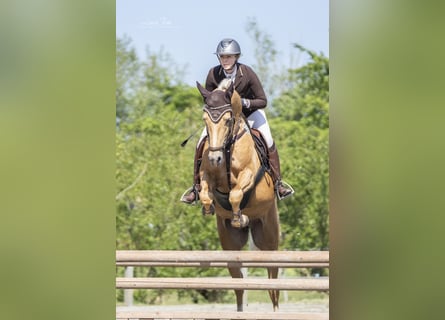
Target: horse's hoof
<point>235,223</point>
<point>211,210</point>
<point>244,221</point>
<point>239,221</point>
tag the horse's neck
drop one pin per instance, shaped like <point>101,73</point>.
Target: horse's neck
<point>244,145</point>
<point>248,134</point>
<point>243,127</point>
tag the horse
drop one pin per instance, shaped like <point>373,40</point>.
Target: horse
<point>234,183</point>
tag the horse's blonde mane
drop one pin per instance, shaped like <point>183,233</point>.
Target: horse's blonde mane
<point>224,84</point>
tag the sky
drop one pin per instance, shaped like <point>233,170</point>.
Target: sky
<point>190,30</point>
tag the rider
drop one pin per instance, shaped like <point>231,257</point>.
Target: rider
<point>253,99</point>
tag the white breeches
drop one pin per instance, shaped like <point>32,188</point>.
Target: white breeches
<point>257,120</point>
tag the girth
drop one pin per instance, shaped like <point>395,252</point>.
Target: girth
<point>223,198</point>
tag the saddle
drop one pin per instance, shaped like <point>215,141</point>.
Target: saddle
<point>261,148</point>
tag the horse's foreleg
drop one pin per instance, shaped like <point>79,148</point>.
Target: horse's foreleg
<point>206,199</point>
<point>244,183</point>
<point>239,220</point>
<point>266,234</point>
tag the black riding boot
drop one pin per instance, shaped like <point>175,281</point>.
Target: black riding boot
<point>191,195</point>
<point>274,162</point>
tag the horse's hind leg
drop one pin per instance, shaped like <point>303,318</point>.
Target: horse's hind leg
<point>273,294</point>
<point>265,235</point>
<point>233,239</point>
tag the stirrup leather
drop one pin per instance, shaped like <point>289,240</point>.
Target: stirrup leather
<point>286,185</point>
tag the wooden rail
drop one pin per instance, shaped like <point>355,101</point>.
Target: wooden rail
<point>219,315</point>
<point>318,284</point>
<point>224,264</point>
<point>206,259</point>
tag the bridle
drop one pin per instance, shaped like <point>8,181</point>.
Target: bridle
<point>215,115</point>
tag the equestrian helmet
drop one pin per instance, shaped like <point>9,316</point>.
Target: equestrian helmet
<point>228,46</point>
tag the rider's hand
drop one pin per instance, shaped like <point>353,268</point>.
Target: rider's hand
<point>245,103</point>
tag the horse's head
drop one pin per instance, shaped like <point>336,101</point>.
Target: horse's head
<point>221,111</point>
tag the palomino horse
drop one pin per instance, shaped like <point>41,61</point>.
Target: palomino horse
<point>234,184</point>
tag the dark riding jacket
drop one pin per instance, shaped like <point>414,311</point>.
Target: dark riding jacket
<point>247,85</point>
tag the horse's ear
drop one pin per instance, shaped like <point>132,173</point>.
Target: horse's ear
<point>204,92</point>
<point>235,101</point>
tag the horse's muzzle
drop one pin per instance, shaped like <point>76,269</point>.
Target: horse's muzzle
<point>216,158</point>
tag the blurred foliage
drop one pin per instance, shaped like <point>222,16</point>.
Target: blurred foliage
<point>266,57</point>
<point>156,112</point>
<point>306,97</point>
<point>302,116</point>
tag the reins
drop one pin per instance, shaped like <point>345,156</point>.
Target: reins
<point>228,144</point>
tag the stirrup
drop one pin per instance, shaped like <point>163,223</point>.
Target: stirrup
<point>286,185</point>
<point>186,192</point>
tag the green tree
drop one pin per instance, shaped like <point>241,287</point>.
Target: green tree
<point>304,216</point>
<point>306,98</point>
<point>155,112</point>
<point>151,165</point>
<point>265,55</point>
<point>127,77</point>
<point>299,123</point>
<point>152,169</point>
<point>303,119</point>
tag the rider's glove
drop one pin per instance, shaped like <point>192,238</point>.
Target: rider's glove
<point>245,103</point>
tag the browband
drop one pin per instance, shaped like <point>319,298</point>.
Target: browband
<point>215,113</point>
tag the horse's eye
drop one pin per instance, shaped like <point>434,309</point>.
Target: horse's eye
<point>229,122</point>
